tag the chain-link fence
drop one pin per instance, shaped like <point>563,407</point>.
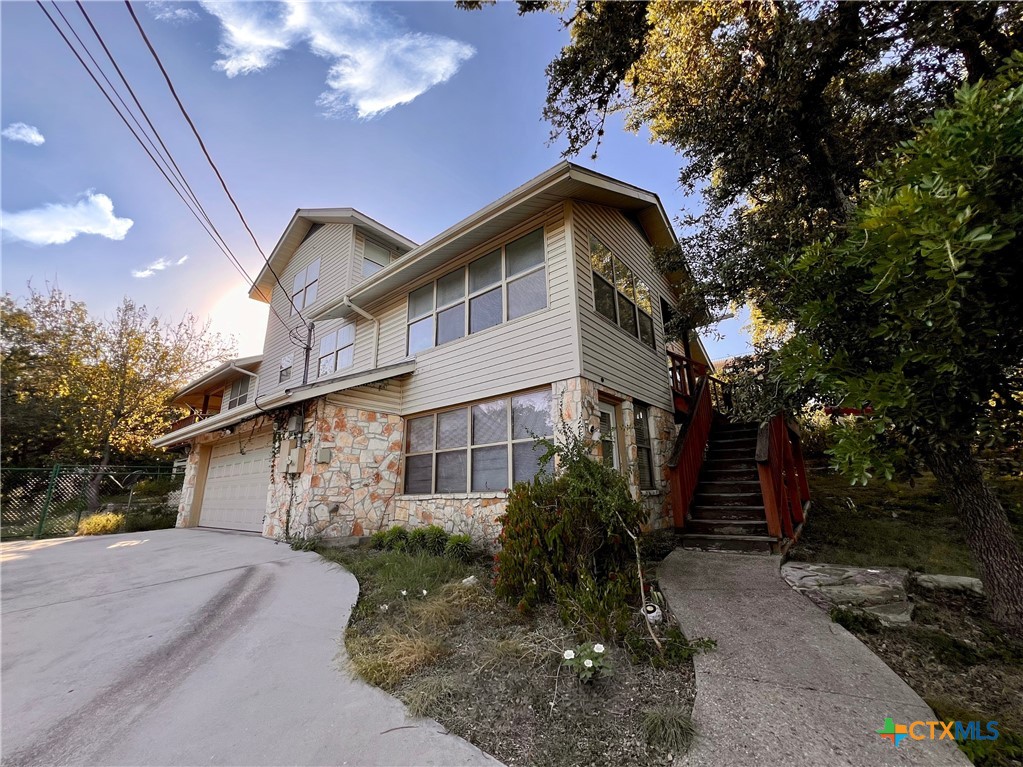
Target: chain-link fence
<point>52,501</point>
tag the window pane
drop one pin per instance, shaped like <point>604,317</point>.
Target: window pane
<point>420,434</point>
<point>485,311</point>
<point>420,302</point>
<point>607,440</point>
<point>642,427</point>
<point>626,280</point>
<point>451,287</point>
<point>451,323</point>
<point>489,422</point>
<point>327,343</point>
<point>310,295</point>
<point>345,336</point>
<point>312,272</point>
<point>525,253</point>
<point>452,428</point>
<point>531,415</point>
<point>490,468</point>
<point>451,472</point>
<point>643,298</point>
<point>646,469</point>
<point>525,461</point>
<point>485,271</point>
<point>376,255</point>
<point>646,329</point>
<point>345,357</point>
<point>326,366</point>
<point>527,294</point>
<point>370,267</point>
<point>299,282</point>
<point>600,258</point>
<point>420,335</point>
<point>627,314</point>
<point>604,298</point>
<point>418,473</point>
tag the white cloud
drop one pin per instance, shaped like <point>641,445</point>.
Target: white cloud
<point>374,64</point>
<point>173,12</point>
<point>55,224</point>
<point>157,266</point>
<point>21,132</point>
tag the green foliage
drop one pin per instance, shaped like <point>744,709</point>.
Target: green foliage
<point>1005,751</point>
<point>396,539</point>
<point>562,534</point>
<point>150,520</point>
<point>670,728</point>
<point>105,523</point>
<point>460,547</point>
<point>378,540</point>
<point>676,651</point>
<point>588,661</point>
<point>435,541</point>
<point>855,621</point>
<point>598,609</point>
<point>416,540</point>
<point>157,487</point>
<point>817,431</point>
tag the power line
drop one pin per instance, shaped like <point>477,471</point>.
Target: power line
<point>210,229</point>
<point>209,159</point>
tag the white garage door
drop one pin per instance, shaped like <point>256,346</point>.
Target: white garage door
<point>237,484</point>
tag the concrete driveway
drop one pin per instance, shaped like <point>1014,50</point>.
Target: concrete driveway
<point>188,647</point>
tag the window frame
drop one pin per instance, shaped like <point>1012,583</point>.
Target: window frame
<point>502,284</point>
<point>638,313</point>
<point>298,305</point>
<point>236,397</point>
<point>336,351</point>
<point>287,363</point>
<point>468,449</point>
<point>391,257</point>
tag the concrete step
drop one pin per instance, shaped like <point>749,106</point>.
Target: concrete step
<point>753,513</point>
<point>761,544</point>
<point>742,527</point>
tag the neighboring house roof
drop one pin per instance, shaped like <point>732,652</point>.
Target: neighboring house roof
<point>299,227</point>
<point>287,397</point>
<point>221,375</point>
<point>564,181</point>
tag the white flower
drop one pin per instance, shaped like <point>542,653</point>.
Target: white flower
<point>588,663</point>
<point>384,608</point>
<point>598,648</point>
<point>424,592</point>
<point>404,593</point>
<point>569,655</point>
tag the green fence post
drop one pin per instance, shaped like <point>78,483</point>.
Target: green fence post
<point>46,502</point>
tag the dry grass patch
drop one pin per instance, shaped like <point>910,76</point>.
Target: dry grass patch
<point>387,657</point>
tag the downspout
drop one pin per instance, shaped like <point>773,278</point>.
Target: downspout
<point>376,324</point>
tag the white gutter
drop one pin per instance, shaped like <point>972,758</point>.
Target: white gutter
<point>376,325</point>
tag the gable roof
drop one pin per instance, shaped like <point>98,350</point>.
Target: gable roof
<point>295,233</point>
<point>565,181</point>
<point>220,375</point>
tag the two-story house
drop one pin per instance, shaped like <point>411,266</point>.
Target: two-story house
<point>409,381</point>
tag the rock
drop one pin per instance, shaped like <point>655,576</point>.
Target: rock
<point>957,583</point>
<point>470,581</point>
<point>893,613</point>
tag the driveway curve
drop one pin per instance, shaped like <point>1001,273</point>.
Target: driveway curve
<point>188,647</point>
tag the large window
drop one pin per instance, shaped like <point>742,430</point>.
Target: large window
<point>374,258</point>
<point>620,295</point>
<point>505,284</point>
<point>337,350</point>
<point>644,448</point>
<point>239,393</point>
<point>303,292</point>
<point>486,447</point>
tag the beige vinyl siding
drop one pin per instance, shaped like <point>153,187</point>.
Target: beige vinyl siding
<point>332,244</point>
<point>610,355</point>
<point>383,397</point>
<point>537,349</point>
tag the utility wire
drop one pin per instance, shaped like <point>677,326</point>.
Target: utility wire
<point>210,228</point>
<point>209,159</point>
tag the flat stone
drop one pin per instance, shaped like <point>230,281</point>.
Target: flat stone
<point>893,613</point>
<point>958,583</point>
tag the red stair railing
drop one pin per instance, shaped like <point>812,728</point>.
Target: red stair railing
<point>782,477</point>
<point>690,447</point>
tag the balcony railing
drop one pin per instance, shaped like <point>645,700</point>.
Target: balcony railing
<point>188,420</point>
<point>685,374</point>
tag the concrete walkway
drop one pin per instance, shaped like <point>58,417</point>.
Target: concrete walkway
<point>785,684</point>
<point>188,647</point>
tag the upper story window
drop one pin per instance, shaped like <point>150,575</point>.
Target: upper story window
<point>286,365</point>
<point>238,393</point>
<point>486,447</point>
<point>337,350</point>
<point>620,295</point>
<point>303,292</point>
<point>505,284</point>
<point>374,258</point>
<point>644,448</point>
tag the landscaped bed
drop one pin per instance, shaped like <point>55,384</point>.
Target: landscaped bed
<point>965,666</point>
<point>499,678</point>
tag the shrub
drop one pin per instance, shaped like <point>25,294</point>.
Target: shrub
<point>597,609</point>
<point>157,487</point>
<point>560,530</point>
<point>817,431</point>
<point>396,539</point>
<point>435,540</point>
<point>379,539</point>
<point>101,524</point>
<point>416,541</point>
<point>460,547</point>
<point>150,520</point>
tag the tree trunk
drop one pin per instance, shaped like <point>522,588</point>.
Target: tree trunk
<point>93,488</point>
<point>988,533</point>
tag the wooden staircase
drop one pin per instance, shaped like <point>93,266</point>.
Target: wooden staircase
<point>734,486</point>
<point>727,512</point>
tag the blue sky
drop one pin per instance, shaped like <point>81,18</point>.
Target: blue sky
<point>417,114</point>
